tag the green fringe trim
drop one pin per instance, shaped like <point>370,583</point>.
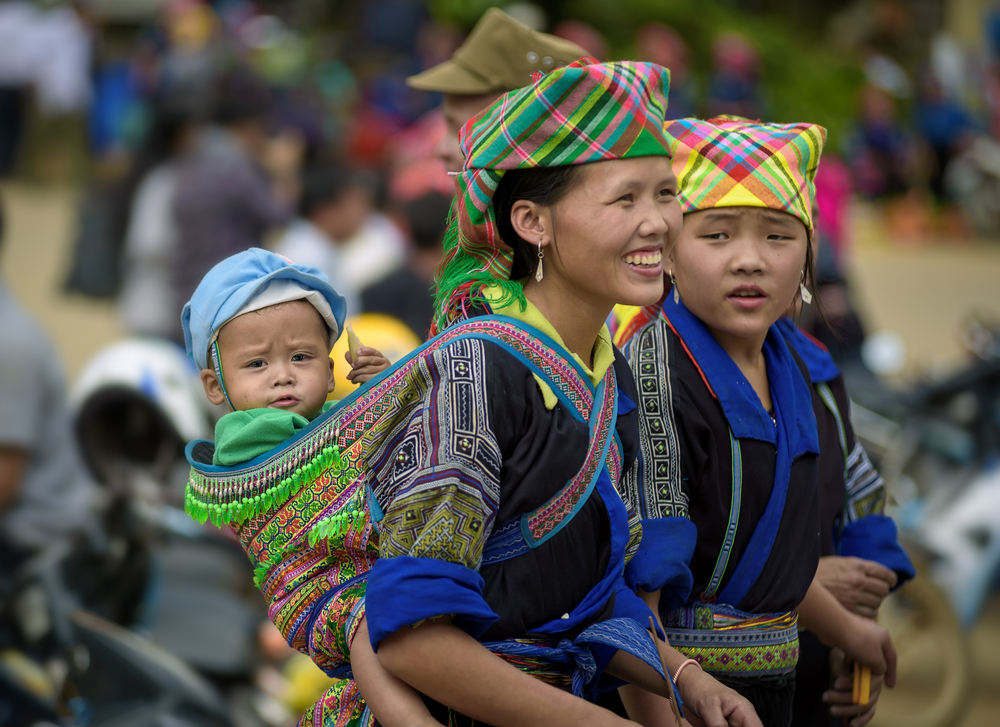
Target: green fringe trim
<point>350,517</point>
<point>226,513</point>
<point>461,277</point>
<point>263,568</point>
<point>338,525</point>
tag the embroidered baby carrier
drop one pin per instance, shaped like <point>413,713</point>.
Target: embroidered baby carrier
<point>310,524</point>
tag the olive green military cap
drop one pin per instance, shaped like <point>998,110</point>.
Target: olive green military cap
<point>500,54</point>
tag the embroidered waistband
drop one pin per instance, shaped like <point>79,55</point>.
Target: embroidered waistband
<point>724,639</point>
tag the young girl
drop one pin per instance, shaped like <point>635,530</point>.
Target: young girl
<point>729,434</point>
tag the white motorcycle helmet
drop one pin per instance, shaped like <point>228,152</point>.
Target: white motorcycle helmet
<point>137,403</point>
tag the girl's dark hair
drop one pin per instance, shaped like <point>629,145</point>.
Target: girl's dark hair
<point>543,185</point>
<point>812,281</point>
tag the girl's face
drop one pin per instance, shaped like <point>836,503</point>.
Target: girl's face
<point>605,240</point>
<point>738,268</point>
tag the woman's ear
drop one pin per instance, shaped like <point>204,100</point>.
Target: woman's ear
<point>532,222</point>
<point>212,388</point>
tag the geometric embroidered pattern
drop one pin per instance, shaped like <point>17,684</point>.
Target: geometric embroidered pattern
<point>864,488</point>
<point>763,660</point>
<point>655,487</point>
<point>725,640</point>
<point>443,523</point>
<point>340,706</point>
<point>866,493</point>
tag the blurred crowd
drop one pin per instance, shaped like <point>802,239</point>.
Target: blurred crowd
<point>212,127</point>
<point>215,126</point>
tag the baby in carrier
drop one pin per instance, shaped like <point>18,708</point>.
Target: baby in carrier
<point>260,328</point>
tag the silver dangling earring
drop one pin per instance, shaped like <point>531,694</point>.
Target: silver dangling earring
<point>673,284</point>
<point>807,297</point>
<point>539,272</point>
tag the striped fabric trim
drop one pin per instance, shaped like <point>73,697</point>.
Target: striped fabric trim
<point>866,493</point>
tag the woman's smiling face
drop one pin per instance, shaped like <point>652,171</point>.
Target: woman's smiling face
<point>738,268</point>
<point>609,233</point>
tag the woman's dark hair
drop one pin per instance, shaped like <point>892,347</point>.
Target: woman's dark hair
<point>543,185</point>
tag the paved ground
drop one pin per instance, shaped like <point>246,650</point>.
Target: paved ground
<point>921,292</point>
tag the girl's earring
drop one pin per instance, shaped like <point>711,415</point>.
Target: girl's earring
<point>539,272</point>
<point>807,297</point>
<point>673,284</point>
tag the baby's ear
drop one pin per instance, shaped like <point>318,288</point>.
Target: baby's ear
<point>212,388</point>
<point>331,383</point>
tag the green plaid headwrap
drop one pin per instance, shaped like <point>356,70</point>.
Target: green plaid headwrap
<point>733,162</point>
<point>584,112</point>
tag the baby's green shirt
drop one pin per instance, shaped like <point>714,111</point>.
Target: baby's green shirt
<point>243,435</point>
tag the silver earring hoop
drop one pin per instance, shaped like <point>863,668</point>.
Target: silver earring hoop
<point>539,273</point>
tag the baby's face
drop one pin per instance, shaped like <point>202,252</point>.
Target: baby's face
<point>276,357</point>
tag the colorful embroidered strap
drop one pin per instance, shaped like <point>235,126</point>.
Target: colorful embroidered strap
<point>831,404</point>
<point>722,562</point>
<point>725,640</point>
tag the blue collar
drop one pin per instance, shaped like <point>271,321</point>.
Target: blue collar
<point>746,415</point>
<point>817,359</point>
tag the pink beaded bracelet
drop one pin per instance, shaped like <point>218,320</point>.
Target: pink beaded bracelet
<point>677,673</point>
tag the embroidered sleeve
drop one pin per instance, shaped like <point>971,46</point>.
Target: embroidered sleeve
<point>653,487</point>
<point>436,466</point>
<point>865,486</point>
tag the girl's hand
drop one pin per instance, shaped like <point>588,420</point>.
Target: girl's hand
<point>859,585</point>
<point>840,697</point>
<point>869,643</point>
<point>365,364</point>
<point>712,704</point>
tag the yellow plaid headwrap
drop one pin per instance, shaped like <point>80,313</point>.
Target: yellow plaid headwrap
<point>730,162</point>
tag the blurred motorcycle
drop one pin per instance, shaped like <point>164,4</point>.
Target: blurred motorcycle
<point>138,402</point>
<point>938,448</point>
<point>61,665</point>
<point>973,180</point>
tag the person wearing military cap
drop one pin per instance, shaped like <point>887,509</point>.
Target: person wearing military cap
<point>499,55</point>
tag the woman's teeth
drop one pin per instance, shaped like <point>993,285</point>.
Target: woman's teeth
<point>645,259</point>
<point>747,294</point>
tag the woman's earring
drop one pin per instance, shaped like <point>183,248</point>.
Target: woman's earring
<point>539,272</point>
<point>673,284</point>
<point>807,297</point>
